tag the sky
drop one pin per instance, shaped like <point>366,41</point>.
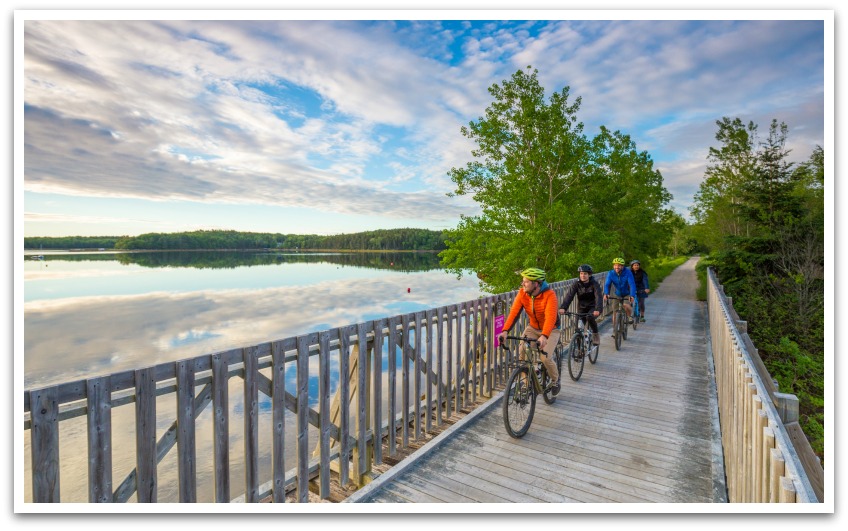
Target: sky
<point>168,122</point>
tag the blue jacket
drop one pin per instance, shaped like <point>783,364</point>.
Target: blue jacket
<point>621,283</point>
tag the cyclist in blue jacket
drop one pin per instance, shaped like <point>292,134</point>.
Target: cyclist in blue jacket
<point>625,287</point>
<point>640,278</point>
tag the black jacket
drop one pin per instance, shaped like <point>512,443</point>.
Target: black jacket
<point>587,293</point>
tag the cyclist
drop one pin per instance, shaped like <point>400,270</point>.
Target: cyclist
<point>625,286</point>
<point>539,301</point>
<point>590,299</point>
<point>640,278</point>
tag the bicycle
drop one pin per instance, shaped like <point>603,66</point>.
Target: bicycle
<point>619,322</point>
<point>580,347</point>
<point>528,379</point>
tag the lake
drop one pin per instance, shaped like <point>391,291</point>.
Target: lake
<point>90,314</point>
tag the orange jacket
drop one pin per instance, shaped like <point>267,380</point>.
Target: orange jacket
<point>541,310</point>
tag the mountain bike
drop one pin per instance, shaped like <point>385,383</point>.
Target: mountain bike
<point>580,347</point>
<point>528,379</point>
<point>619,322</point>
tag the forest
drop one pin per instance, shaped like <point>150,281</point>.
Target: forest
<point>406,239</point>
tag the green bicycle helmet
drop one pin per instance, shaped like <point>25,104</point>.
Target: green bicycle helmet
<point>534,273</point>
<point>618,261</point>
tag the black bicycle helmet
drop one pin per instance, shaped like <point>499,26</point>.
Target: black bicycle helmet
<point>585,267</point>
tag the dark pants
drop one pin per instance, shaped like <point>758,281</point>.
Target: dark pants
<point>593,325</point>
<point>640,298</point>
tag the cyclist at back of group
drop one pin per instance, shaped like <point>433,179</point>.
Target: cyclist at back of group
<point>640,279</point>
<point>625,287</point>
<point>539,301</point>
<point>590,299</point>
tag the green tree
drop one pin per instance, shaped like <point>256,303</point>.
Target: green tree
<point>770,258</point>
<point>549,197</point>
<point>530,152</point>
<point>717,204</point>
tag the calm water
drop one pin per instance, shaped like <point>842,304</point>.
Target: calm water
<point>94,314</point>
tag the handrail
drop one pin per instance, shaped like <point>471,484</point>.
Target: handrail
<point>762,461</point>
<point>447,360</point>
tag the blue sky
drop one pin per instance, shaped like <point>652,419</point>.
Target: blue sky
<point>333,122</point>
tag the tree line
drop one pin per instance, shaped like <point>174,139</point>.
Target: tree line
<point>405,239</point>
<point>761,220</point>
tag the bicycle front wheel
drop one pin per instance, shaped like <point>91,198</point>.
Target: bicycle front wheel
<point>624,325</point>
<point>593,350</point>
<point>618,323</point>
<point>576,358</point>
<point>519,403</point>
<point>547,394</point>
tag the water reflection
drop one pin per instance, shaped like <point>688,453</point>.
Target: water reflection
<point>93,314</point>
<point>87,318</point>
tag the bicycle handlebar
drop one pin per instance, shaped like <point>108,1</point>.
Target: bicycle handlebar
<point>522,338</point>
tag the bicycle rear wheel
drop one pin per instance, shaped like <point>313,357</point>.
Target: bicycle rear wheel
<point>576,357</point>
<point>519,403</point>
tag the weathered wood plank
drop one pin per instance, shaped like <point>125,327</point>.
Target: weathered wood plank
<point>278,420</point>
<point>251,427</point>
<point>186,445</point>
<point>392,406</point>
<point>99,424</point>
<point>324,413</point>
<point>145,436</point>
<point>221,427</point>
<point>377,428</point>
<point>303,418</point>
<point>404,399</point>
<point>45,445</point>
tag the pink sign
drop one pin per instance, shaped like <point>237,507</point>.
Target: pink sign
<point>499,322</point>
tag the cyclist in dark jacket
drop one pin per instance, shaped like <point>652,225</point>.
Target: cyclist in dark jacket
<point>642,286</point>
<point>590,299</point>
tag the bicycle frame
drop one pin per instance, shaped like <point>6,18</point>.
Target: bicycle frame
<point>532,360</point>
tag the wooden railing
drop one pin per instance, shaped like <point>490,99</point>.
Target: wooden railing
<point>767,458</point>
<point>446,360</point>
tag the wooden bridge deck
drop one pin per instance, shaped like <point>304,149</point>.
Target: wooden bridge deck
<point>639,426</point>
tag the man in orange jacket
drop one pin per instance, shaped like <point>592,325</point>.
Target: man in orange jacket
<point>540,302</point>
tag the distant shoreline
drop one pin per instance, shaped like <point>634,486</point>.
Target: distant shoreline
<point>29,252</point>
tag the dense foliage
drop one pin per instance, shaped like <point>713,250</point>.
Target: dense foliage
<point>551,197</point>
<point>70,242</point>
<point>762,219</point>
<point>376,240</point>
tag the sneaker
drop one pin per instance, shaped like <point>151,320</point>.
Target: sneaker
<point>596,338</point>
<point>642,320</point>
<point>629,321</point>
<point>555,388</point>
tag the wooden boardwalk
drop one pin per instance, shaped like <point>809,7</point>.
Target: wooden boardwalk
<point>639,426</point>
